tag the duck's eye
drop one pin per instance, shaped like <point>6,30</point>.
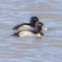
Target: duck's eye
<point>39,24</point>
<point>35,19</point>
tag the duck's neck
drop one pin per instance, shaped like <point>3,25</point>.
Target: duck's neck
<point>32,24</point>
<point>38,29</point>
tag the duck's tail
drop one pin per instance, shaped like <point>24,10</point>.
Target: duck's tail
<point>15,34</point>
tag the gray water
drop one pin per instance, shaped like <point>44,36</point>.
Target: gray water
<point>46,49</point>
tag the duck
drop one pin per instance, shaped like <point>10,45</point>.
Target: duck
<point>31,33</point>
<point>27,26</point>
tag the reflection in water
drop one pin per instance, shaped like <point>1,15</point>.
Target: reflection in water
<point>45,49</point>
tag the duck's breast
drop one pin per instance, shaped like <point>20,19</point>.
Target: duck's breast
<point>28,34</point>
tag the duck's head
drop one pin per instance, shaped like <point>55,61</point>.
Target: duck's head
<point>33,20</point>
<point>39,27</point>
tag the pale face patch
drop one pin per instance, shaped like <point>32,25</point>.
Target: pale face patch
<point>44,28</point>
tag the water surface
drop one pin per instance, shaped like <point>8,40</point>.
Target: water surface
<point>46,49</point>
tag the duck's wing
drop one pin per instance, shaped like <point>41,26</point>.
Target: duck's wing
<point>19,26</point>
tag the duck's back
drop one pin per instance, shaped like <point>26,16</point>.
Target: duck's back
<point>24,26</point>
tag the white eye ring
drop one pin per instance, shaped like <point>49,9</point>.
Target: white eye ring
<point>35,19</point>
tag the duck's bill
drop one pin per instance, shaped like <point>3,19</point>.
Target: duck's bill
<point>44,28</point>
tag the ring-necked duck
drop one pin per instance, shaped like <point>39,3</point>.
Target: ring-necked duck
<point>27,26</point>
<point>31,33</point>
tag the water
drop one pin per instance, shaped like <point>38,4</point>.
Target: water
<point>46,49</point>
